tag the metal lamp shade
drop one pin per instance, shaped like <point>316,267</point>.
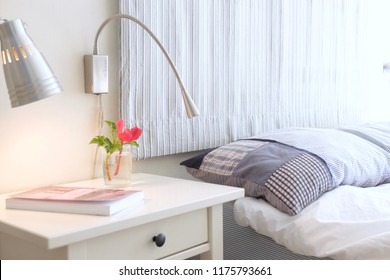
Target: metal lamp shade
<point>28,76</point>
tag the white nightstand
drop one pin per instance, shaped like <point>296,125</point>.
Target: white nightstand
<point>188,213</point>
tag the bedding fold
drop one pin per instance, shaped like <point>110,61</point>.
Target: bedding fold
<point>346,223</point>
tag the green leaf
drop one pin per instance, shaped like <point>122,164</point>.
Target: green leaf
<point>112,146</point>
<point>111,125</point>
<point>133,143</point>
<point>117,145</point>
<point>99,140</point>
<point>108,145</point>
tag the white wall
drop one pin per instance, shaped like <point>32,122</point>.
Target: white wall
<point>47,142</point>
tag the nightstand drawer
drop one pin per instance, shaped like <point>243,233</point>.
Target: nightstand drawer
<point>181,232</point>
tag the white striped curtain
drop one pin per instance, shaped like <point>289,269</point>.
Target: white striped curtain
<point>250,66</point>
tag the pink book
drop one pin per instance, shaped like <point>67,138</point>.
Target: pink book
<point>77,200</point>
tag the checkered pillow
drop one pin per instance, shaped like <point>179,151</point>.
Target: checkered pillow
<point>288,178</point>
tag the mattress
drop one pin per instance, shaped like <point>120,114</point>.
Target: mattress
<point>345,223</point>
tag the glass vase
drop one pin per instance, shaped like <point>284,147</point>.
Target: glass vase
<point>117,167</point>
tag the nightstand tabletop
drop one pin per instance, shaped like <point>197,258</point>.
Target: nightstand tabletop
<point>164,197</point>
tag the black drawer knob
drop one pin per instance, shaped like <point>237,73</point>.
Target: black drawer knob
<point>159,239</point>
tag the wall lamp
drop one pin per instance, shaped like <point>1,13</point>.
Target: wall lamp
<point>96,67</point>
<point>28,76</point>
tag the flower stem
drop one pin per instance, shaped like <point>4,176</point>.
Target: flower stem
<point>118,163</point>
<point>107,167</point>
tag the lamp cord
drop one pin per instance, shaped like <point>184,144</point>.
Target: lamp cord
<point>100,115</point>
<point>100,122</point>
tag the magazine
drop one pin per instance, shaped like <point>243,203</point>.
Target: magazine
<point>76,200</point>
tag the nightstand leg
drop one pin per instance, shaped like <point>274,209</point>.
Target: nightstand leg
<point>77,251</point>
<point>215,230</point>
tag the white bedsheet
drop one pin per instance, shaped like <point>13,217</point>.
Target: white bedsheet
<point>345,223</point>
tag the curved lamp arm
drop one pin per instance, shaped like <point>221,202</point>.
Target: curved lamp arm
<point>96,65</point>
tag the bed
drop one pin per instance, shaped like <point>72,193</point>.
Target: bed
<point>315,192</point>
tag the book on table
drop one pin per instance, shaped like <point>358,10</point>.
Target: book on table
<point>76,200</point>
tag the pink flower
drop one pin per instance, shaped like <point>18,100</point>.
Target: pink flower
<point>119,137</point>
<point>127,135</point>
